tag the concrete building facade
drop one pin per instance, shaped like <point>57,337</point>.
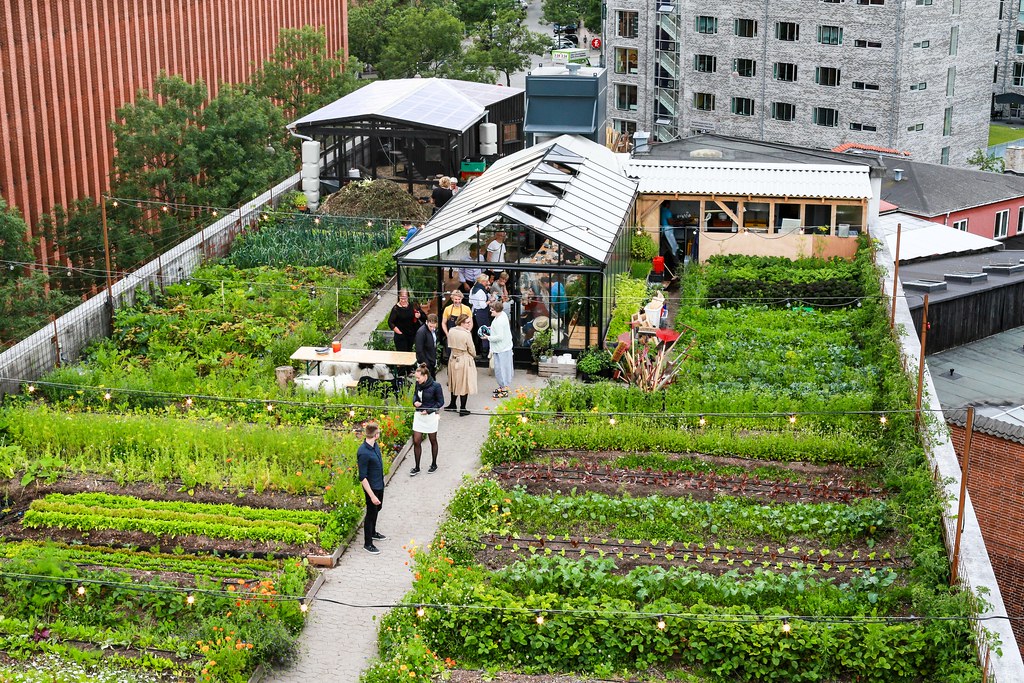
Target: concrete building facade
<point>914,75</point>
<point>65,68</point>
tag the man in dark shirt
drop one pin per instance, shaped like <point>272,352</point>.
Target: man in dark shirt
<point>371,478</point>
<point>426,344</point>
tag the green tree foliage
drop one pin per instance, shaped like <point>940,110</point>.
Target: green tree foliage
<point>369,25</point>
<point>505,45</point>
<point>26,300</point>
<point>986,162</point>
<point>301,76</point>
<point>423,41</point>
<point>571,11</point>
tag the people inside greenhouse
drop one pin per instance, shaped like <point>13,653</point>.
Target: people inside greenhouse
<point>426,344</point>
<point>461,364</point>
<point>469,274</point>
<point>496,248</point>
<point>532,309</point>
<point>556,295</point>
<point>479,300</point>
<point>499,334</point>
<point>428,400</point>
<point>499,291</point>
<point>404,320</point>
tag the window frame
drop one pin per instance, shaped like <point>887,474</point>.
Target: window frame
<point>819,70</point>
<point>698,59</point>
<point>791,110</point>
<point>792,28</point>
<point>626,68</point>
<point>742,100</point>
<point>623,14</point>
<point>784,69</point>
<point>834,34</point>
<point>750,72</point>
<point>750,24</point>
<point>706,24</point>
<point>636,96</point>
<point>1005,215</point>
<point>833,116</point>
<point>964,222</point>
<point>706,97</point>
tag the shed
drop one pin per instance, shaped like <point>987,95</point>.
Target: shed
<point>554,217</point>
<point>411,130</point>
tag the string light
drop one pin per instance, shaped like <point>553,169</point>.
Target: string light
<point>188,402</point>
<point>165,208</point>
<point>883,419</point>
<point>792,419</point>
<point>611,421</point>
<point>270,407</point>
<point>81,591</point>
<point>786,627</point>
<point>317,220</point>
<point>214,213</point>
<point>31,388</point>
<point>351,413</point>
<point>107,395</point>
<point>190,599</point>
<point>540,620</point>
<point>303,607</point>
<point>702,421</point>
<point>523,419</point>
<point>420,611</point>
<point>114,204</point>
<point>661,623</point>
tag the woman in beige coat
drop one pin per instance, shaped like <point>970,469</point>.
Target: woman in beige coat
<point>462,364</point>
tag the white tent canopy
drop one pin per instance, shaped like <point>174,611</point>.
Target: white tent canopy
<point>569,189</point>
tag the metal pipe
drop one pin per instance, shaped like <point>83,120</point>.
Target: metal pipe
<point>965,473</point>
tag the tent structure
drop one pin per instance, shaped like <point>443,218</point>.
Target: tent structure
<point>558,214</point>
<point>413,129</point>
<point>1010,98</point>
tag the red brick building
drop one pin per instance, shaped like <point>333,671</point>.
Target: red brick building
<point>66,66</point>
<point>996,486</point>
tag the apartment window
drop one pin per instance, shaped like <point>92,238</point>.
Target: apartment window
<point>1018,74</point>
<point>863,126</point>
<point>995,74</point>
<point>944,156</point>
<point>704,101</point>
<point>826,116</point>
<point>787,30</point>
<point>783,111</point>
<point>919,86</point>
<point>784,71</point>
<point>954,39</point>
<point>625,97</point>
<point>830,35</point>
<point>629,24</point>
<point>744,67</point>
<point>1019,48</point>
<point>870,2</point>
<point>923,2</point>
<point>1020,220</point>
<point>960,225</point>
<point>742,106</point>
<point>999,40</point>
<point>707,24</point>
<point>831,2</point>
<point>915,126</point>
<point>861,85</point>
<point>625,60</point>
<point>947,121</point>
<point>1002,222</point>
<point>624,126</point>
<point>745,28</point>
<point>867,43</point>
<point>950,81</point>
<point>705,63</point>
<point>956,7</point>
<point>923,43</point>
<point>826,75</point>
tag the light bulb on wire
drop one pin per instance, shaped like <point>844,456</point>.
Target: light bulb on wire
<point>883,419</point>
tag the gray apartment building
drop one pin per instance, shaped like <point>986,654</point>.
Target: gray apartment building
<point>909,75</point>
<point>1008,72</point>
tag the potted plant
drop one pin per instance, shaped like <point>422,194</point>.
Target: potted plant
<point>300,202</point>
<point>541,346</point>
<point>594,364</point>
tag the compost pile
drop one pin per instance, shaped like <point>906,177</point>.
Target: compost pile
<point>377,198</point>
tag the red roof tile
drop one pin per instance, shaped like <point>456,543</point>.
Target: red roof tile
<point>868,148</point>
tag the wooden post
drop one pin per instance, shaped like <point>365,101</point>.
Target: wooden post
<point>920,364</point>
<point>965,473</point>
<point>106,255</point>
<point>56,339</point>
<point>895,275</point>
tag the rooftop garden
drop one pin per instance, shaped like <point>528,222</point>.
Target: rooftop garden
<point>168,483</point>
<point>769,516</point>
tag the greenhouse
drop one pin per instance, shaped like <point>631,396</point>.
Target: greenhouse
<point>554,217</point>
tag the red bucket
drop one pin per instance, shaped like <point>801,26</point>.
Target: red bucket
<point>658,264</point>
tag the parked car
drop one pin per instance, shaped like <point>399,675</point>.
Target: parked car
<point>564,28</point>
<point>564,43</point>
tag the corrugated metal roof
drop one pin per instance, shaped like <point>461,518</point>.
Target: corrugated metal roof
<point>569,189</point>
<point>442,103</point>
<point>756,179</point>
<point>920,238</point>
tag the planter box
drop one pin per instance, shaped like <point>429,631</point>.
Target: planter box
<point>552,369</point>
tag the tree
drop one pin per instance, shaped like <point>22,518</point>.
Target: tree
<point>505,45</point>
<point>243,148</point>
<point>26,299</point>
<point>300,76</point>
<point>423,41</point>
<point>570,12</point>
<point>986,162</point>
<point>369,25</point>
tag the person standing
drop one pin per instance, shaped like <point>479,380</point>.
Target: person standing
<point>500,339</point>
<point>426,344</point>
<point>371,478</point>
<point>462,364</point>
<point>496,248</point>
<point>440,195</point>
<point>453,311</point>
<point>404,320</point>
<point>499,291</point>
<point>479,298</point>
<point>428,399</point>
<point>468,275</point>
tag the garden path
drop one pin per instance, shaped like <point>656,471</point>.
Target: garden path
<point>339,641</point>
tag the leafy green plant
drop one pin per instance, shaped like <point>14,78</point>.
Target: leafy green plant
<point>541,346</point>
<point>593,361</point>
<point>642,247</point>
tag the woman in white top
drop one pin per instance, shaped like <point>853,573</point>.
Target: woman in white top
<point>500,339</point>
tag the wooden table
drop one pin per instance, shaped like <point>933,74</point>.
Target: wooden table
<point>312,359</point>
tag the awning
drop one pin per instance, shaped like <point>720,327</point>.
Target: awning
<point>1010,98</point>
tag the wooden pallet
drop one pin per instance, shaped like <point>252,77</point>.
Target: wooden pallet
<point>552,369</point>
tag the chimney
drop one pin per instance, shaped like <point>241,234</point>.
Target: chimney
<point>897,174</point>
<point>640,139</point>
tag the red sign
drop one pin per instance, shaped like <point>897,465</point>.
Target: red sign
<point>595,43</point>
